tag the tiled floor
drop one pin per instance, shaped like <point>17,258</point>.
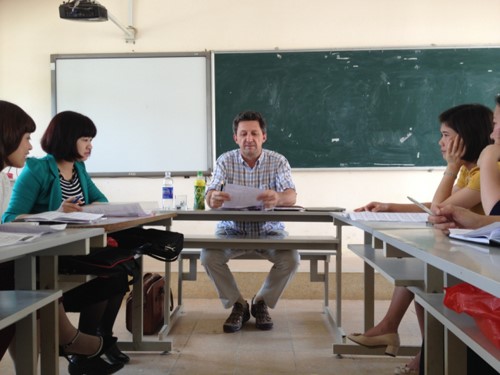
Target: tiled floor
<point>300,343</point>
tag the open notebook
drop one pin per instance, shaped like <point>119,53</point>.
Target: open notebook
<point>488,235</point>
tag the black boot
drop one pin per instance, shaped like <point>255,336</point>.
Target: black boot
<point>115,355</point>
<point>82,365</point>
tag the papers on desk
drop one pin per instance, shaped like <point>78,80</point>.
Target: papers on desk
<point>242,197</point>
<point>325,209</point>
<point>289,208</point>
<point>116,209</point>
<point>15,233</point>
<point>488,235</point>
<point>403,217</point>
<point>64,217</point>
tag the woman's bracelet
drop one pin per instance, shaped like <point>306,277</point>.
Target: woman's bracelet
<point>446,173</point>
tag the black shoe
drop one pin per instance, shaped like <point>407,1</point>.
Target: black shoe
<point>106,343</point>
<point>115,355</point>
<point>263,320</point>
<point>81,365</point>
<point>239,315</point>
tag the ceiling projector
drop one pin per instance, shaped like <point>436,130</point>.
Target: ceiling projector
<point>81,10</point>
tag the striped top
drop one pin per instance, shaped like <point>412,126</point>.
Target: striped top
<point>71,188</point>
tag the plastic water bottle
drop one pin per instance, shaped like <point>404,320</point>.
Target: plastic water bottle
<point>199,192</point>
<point>167,193</point>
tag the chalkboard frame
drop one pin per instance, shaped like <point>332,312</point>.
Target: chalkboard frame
<point>201,135</point>
<point>223,133</point>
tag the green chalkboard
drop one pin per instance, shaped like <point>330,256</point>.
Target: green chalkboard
<point>349,109</point>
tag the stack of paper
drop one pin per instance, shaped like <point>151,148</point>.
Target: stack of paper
<point>404,217</point>
<point>289,208</point>
<point>242,197</point>
<point>64,217</point>
<point>116,209</point>
<point>15,233</point>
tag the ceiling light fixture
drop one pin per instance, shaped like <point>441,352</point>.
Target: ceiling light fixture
<point>91,10</point>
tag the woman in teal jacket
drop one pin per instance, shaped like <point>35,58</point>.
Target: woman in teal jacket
<point>59,181</point>
<point>38,188</point>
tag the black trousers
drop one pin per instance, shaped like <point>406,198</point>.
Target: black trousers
<point>97,290</point>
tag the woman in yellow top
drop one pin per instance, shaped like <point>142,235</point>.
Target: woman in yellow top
<point>448,216</point>
<point>465,132</point>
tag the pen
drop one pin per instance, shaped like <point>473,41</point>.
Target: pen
<point>77,198</point>
<point>221,188</point>
<point>425,208</point>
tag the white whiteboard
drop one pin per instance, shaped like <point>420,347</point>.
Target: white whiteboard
<point>152,111</point>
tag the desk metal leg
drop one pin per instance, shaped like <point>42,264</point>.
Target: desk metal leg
<point>26,333</point>
<point>369,296</point>
<point>49,327</point>
<point>369,288</point>
<point>338,279</point>
<point>455,360</point>
<point>434,330</point>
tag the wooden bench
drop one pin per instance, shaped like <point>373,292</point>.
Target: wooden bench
<point>312,248</point>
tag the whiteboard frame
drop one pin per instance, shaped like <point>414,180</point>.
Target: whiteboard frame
<point>209,157</point>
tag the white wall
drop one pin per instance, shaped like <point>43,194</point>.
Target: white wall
<point>30,30</point>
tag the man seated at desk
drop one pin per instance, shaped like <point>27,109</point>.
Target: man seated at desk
<point>253,166</point>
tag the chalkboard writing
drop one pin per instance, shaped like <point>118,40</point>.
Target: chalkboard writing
<point>349,109</point>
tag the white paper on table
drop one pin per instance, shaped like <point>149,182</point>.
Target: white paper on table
<point>21,227</point>
<point>15,233</point>
<point>64,217</point>
<point>116,209</point>
<point>242,196</point>
<point>16,238</point>
<point>405,217</point>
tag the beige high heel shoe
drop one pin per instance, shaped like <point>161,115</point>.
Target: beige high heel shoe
<point>390,340</point>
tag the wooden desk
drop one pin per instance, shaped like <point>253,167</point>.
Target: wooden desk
<point>111,225</point>
<point>309,243</point>
<point>20,305</point>
<point>446,262</point>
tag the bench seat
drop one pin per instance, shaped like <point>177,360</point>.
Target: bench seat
<point>311,248</point>
<point>285,243</point>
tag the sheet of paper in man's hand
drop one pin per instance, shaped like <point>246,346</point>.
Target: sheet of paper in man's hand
<point>241,196</point>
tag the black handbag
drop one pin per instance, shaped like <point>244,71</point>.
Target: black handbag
<point>105,261</point>
<point>163,245</point>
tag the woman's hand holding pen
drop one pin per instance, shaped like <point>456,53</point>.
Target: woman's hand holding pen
<point>71,204</point>
<point>450,216</point>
